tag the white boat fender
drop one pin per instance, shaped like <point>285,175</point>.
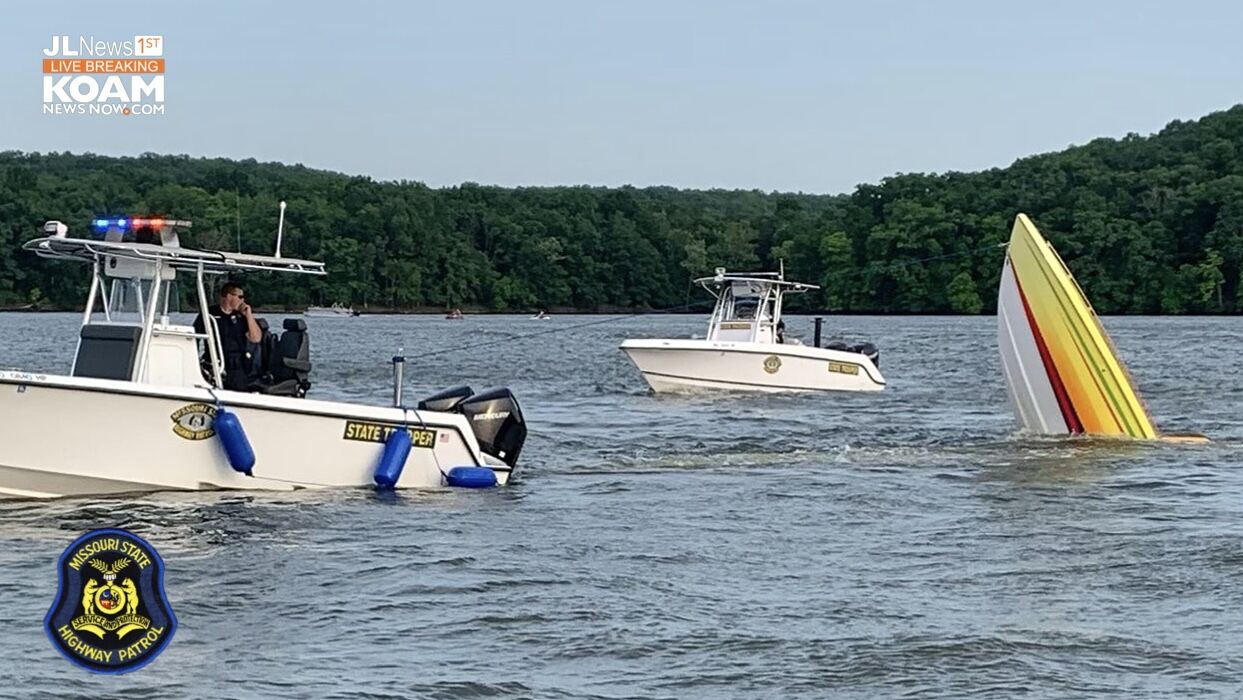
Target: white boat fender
<point>392,459</point>
<point>471,477</point>
<point>233,438</point>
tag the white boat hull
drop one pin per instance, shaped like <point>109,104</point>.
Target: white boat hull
<point>65,436</point>
<point>1031,394</point>
<point>688,365</point>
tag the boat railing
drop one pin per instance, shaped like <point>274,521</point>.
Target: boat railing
<point>187,259</point>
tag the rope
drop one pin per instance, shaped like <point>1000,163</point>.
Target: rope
<point>881,266</point>
<point>684,307</point>
<point>405,425</point>
<point>973,251</point>
<point>563,329</point>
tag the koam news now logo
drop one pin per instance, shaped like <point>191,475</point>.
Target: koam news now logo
<point>85,75</point>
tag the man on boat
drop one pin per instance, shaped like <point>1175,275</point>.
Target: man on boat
<point>236,326</point>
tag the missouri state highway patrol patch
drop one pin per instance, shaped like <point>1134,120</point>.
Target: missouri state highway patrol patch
<point>111,614</point>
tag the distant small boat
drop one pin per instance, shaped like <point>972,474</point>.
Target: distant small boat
<point>334,311</point>
<point>454,315</point>
<point>541,316</point>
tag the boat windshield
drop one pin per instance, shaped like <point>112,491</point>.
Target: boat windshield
<point>127,295</point>
<point>746,312</point>
<point>744,309</point>
<point>127,298</point>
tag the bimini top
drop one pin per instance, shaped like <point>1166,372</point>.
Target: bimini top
<point>161,245</point>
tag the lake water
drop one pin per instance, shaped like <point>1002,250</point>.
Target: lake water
<point>806,546</point>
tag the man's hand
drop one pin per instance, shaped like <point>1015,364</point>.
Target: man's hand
<point>253,333</point>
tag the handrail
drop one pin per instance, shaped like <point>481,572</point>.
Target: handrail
<point>148,323</point>
<point>86,250</point>
<point>215,350</point>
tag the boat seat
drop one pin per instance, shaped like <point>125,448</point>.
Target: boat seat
<point>262,352</point>
<point>107,351</point>
<point>289,369</point>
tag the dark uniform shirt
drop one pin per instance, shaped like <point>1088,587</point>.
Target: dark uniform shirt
<point>233,342</point>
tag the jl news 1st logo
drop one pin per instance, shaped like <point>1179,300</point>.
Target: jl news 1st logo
<point>121,78</point>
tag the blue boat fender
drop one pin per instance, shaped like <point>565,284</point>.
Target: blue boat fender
<point>471,477</point>
<point>393,459</point>
<point>236,445</point>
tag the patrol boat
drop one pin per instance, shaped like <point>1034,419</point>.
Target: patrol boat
<point>745,349</point>
<point>154,418</point>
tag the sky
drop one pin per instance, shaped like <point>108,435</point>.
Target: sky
<point>773,95</point>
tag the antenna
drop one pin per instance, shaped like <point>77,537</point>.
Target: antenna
<point>280,229</point>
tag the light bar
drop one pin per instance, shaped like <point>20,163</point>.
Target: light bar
<point>137,223</point>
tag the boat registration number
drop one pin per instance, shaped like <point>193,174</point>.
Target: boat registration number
<point>843,368</point>
<point>378,432</point>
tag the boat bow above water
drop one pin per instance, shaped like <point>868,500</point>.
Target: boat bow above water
<point>1062,373</point>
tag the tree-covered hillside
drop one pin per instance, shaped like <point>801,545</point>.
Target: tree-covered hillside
<point>1147,224</point>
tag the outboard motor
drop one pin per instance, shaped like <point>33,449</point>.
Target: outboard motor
<point>497,422</point>
<point>446,400</point>
<point>869,351</point>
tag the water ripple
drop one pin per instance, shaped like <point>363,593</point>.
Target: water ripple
<point>909,544</point>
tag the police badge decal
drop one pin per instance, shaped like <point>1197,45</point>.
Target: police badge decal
<point>111,614</point>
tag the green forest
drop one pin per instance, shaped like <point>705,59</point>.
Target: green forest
<point>1148,225</point>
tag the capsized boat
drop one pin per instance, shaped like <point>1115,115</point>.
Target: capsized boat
<point>138,410</point>
<point>746,348</point>
<point>1061,370</point>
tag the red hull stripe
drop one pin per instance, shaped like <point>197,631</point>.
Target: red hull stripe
<point>1059,389</point>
